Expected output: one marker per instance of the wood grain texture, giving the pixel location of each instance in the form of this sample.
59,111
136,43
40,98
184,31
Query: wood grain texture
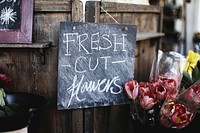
24,66
52,6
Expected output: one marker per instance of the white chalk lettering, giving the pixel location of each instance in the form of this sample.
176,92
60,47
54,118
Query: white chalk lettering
105,37
118,89
75,66
78,65
74,92
82,39
95,40
87,43
104,85
119,43
69,37
95,66
2,1
106,61
120,61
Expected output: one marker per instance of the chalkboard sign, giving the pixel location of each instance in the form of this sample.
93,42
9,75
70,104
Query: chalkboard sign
10,14
16,21
95,60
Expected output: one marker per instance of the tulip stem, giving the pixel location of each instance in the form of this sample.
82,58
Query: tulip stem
135,111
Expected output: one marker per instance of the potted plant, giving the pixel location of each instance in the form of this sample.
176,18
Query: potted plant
18,109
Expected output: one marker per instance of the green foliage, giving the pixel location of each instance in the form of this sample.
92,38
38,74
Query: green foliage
2,96
188,79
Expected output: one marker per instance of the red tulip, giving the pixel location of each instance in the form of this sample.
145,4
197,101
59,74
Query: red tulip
144,87
180,116
4,80
131,89
175,115
161,92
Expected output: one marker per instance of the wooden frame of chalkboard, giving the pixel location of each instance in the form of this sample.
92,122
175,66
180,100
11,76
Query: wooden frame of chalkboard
16,21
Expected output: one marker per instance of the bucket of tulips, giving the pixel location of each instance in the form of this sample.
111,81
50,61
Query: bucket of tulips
170,100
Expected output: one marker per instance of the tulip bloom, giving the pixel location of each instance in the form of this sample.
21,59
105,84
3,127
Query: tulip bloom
193,57
180,116
4,79
147,100
161,92
131,89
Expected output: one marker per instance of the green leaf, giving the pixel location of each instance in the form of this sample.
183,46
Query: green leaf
2,96
195,74
186,80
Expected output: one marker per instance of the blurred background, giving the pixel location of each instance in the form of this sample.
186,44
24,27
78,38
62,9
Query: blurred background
181,25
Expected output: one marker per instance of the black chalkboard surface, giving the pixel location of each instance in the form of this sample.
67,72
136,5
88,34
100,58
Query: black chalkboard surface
10,14
95,60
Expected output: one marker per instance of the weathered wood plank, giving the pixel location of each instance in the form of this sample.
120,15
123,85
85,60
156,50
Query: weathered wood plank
77,115
101,120
52,6
126,8
144,22
77,121
119,118
88,120
47,25
77,11
30,75
33,45
146,51
90,12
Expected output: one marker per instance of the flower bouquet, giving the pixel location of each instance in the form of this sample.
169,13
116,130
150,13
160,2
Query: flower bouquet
171,97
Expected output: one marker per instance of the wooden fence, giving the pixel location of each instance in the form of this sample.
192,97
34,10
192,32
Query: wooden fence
34,67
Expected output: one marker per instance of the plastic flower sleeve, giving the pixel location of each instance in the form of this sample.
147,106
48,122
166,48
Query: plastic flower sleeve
169,65
180,112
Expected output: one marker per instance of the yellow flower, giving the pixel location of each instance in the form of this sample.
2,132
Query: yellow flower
193,57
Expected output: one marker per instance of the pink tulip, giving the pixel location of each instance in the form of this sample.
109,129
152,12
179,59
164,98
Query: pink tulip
131,88
147,101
